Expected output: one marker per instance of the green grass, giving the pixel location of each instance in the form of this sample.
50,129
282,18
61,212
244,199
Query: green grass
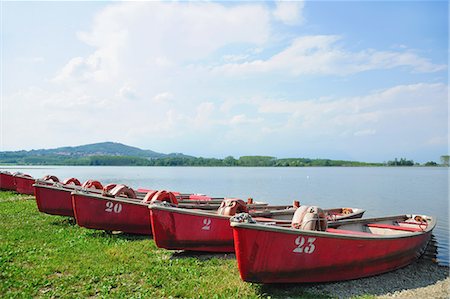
50,256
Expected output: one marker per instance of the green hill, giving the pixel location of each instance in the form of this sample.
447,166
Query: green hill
100,149
104,153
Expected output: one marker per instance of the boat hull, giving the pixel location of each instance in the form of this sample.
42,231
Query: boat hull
53,200
24,185
7,182
111,214
277,256
181,229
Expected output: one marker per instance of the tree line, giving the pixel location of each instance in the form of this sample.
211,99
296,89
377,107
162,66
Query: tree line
244,161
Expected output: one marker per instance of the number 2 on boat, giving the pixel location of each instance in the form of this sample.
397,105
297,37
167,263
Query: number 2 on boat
302,248
206,224
111,207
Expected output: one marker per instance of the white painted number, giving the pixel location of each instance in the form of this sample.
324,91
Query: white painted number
302,248
111,207
206,224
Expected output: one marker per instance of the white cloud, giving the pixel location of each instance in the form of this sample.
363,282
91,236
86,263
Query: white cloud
405,108
366,132
321,54
289,12
163,97
165,34
242,119
82,70
127,91
235,58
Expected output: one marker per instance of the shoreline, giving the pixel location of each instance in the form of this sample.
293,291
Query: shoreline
422,278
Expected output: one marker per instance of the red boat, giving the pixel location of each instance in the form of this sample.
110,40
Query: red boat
312,250
210,230
120,209
54,197
24,183
122,212
7,181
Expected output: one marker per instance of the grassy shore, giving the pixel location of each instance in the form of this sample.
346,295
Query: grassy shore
50,256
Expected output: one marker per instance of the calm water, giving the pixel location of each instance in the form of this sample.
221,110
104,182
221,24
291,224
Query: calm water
379,190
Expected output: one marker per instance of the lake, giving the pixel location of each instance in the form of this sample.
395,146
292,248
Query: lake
379,190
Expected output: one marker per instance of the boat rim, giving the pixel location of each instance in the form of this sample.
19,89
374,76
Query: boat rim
289,230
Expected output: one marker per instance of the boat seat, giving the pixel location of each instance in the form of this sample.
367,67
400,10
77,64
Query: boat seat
412,223
347,232
395,227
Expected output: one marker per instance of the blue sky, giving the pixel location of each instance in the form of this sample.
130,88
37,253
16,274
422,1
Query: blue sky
351,80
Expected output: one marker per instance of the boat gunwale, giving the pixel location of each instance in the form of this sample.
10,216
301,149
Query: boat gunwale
99,196
135,201
60,187
200,212
285,230
192,212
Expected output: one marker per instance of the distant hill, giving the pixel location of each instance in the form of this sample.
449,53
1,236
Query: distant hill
75,153
100,149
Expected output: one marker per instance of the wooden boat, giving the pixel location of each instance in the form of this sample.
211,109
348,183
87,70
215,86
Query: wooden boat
7,181
122,210
318,251
24,183
54,197
210,230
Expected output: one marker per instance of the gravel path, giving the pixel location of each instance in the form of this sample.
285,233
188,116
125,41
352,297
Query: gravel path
422,279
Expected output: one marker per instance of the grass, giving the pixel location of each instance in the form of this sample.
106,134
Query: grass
50,256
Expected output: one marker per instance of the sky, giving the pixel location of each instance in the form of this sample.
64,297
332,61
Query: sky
353,80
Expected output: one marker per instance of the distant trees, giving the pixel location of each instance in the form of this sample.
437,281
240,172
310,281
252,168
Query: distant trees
401,162
244,161
182,160
445,160
256,161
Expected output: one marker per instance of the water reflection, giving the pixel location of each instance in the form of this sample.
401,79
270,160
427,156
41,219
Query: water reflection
436,253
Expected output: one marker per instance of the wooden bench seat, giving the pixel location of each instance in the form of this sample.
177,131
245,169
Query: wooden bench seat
347,232
395,227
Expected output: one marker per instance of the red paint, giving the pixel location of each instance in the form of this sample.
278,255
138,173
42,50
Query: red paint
114,214
267,255
7,181
54,200
190,230
24,184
